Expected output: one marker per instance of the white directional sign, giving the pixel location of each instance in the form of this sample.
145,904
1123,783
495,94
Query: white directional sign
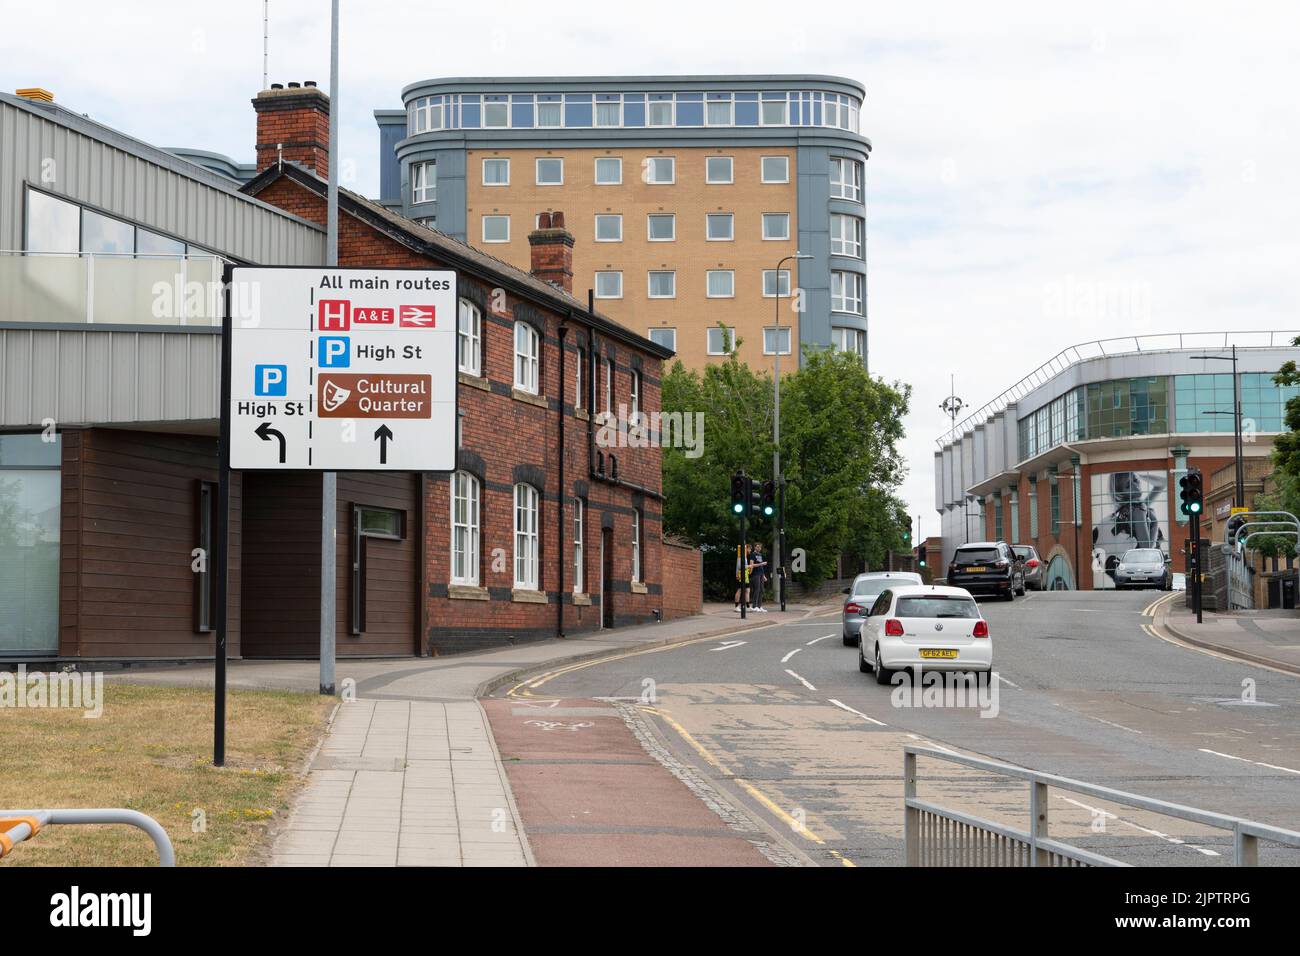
342,369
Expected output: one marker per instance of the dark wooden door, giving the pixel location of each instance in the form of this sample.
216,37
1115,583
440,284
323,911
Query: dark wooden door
607,577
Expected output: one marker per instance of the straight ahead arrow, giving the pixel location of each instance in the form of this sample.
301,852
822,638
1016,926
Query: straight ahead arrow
384,435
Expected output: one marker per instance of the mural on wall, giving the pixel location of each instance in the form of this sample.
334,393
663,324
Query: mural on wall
1130,509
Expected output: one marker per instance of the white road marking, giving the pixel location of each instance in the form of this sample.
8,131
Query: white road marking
816,639
800,679
1110,723
791,654
1005,681
1258,763
870,720
1106,814
728,645
931,743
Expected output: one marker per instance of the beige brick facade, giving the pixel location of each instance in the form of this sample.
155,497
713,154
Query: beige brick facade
690,255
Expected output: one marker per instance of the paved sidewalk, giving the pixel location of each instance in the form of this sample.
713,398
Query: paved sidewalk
1268,637
404,783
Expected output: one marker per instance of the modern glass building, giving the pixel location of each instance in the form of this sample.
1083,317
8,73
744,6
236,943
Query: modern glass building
687,196
1081,457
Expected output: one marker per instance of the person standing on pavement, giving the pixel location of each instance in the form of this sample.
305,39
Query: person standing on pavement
742,577
757,574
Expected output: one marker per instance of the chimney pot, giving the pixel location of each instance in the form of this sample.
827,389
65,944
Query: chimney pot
294,86
551,251
311,83
277,86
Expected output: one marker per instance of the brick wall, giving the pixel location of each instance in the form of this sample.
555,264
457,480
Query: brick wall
294,124
683,579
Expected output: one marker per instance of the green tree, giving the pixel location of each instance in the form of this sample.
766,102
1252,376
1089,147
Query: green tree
839,434
1286,458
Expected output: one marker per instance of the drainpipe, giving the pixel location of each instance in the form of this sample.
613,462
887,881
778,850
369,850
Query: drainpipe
559,520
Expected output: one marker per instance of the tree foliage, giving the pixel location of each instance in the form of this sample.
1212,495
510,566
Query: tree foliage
839,434
1286,458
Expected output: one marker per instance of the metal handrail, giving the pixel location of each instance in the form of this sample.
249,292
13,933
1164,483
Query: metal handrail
21,826
1246,833
1074,354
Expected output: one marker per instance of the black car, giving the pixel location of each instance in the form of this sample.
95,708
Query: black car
987,567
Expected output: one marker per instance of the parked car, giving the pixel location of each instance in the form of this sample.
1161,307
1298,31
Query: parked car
1143,568
1035,569
863,593
987,567
926,626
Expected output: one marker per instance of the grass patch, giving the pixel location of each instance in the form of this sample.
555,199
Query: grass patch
151,750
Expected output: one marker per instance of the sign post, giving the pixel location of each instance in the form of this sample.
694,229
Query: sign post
330,370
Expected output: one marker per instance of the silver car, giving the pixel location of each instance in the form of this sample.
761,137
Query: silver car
1028,555
866,588
1143,568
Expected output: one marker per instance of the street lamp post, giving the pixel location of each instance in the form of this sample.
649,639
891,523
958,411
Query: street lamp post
778,533
1237,450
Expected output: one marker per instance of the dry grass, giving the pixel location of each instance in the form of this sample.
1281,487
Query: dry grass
151,750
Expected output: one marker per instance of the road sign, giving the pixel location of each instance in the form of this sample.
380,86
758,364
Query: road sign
1239,510
342,369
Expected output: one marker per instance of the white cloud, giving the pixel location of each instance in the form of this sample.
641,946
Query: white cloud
1018,147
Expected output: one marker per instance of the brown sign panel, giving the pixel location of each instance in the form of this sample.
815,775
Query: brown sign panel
373,395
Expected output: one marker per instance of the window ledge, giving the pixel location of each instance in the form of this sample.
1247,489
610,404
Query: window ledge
581,413
582,600
639,587
467,592
521,396
474,381
528,597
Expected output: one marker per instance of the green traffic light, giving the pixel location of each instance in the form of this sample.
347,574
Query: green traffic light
737,508
1194,507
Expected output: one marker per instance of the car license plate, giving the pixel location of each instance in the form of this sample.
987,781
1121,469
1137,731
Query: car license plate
977,570
943,653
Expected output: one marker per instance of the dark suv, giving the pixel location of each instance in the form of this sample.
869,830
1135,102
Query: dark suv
987,567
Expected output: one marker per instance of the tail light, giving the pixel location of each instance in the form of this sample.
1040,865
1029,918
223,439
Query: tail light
893,627
852,608
981,629
952,568
1000,564
1032,562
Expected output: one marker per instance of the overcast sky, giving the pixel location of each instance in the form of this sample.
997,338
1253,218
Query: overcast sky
1040,177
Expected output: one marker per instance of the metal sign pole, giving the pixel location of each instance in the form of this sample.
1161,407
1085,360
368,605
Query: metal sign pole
220,559
329,479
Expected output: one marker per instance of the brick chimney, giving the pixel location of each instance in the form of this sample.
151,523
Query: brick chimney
551,247
293,123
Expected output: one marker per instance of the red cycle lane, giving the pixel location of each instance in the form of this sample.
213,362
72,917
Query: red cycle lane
590,795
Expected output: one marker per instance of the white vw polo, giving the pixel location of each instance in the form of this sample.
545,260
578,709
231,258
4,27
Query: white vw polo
925,626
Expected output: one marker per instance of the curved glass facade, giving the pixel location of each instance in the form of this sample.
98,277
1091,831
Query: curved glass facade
1141,406
632,110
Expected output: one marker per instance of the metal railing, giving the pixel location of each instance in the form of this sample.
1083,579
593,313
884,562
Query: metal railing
1104,348
937,836
19,825
83,289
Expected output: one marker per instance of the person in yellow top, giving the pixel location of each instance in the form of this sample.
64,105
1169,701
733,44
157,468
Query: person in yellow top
743,567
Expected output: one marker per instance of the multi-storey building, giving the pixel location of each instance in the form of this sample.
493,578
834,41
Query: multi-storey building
1082,457
689,196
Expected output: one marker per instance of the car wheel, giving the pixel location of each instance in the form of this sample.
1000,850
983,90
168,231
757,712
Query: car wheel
882,675
863,666
848,641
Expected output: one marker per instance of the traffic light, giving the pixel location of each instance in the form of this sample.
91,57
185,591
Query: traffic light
1235,524
907,530
739,493
1191,495
755,498
768,499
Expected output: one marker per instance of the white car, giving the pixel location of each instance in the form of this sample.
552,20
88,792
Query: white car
927,627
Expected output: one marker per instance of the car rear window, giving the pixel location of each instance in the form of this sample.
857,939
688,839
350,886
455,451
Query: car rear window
1023,552
1144,554
873,586
936,607
977,556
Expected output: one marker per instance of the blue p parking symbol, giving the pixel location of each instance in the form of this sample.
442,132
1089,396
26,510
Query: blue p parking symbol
334,351
271,380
